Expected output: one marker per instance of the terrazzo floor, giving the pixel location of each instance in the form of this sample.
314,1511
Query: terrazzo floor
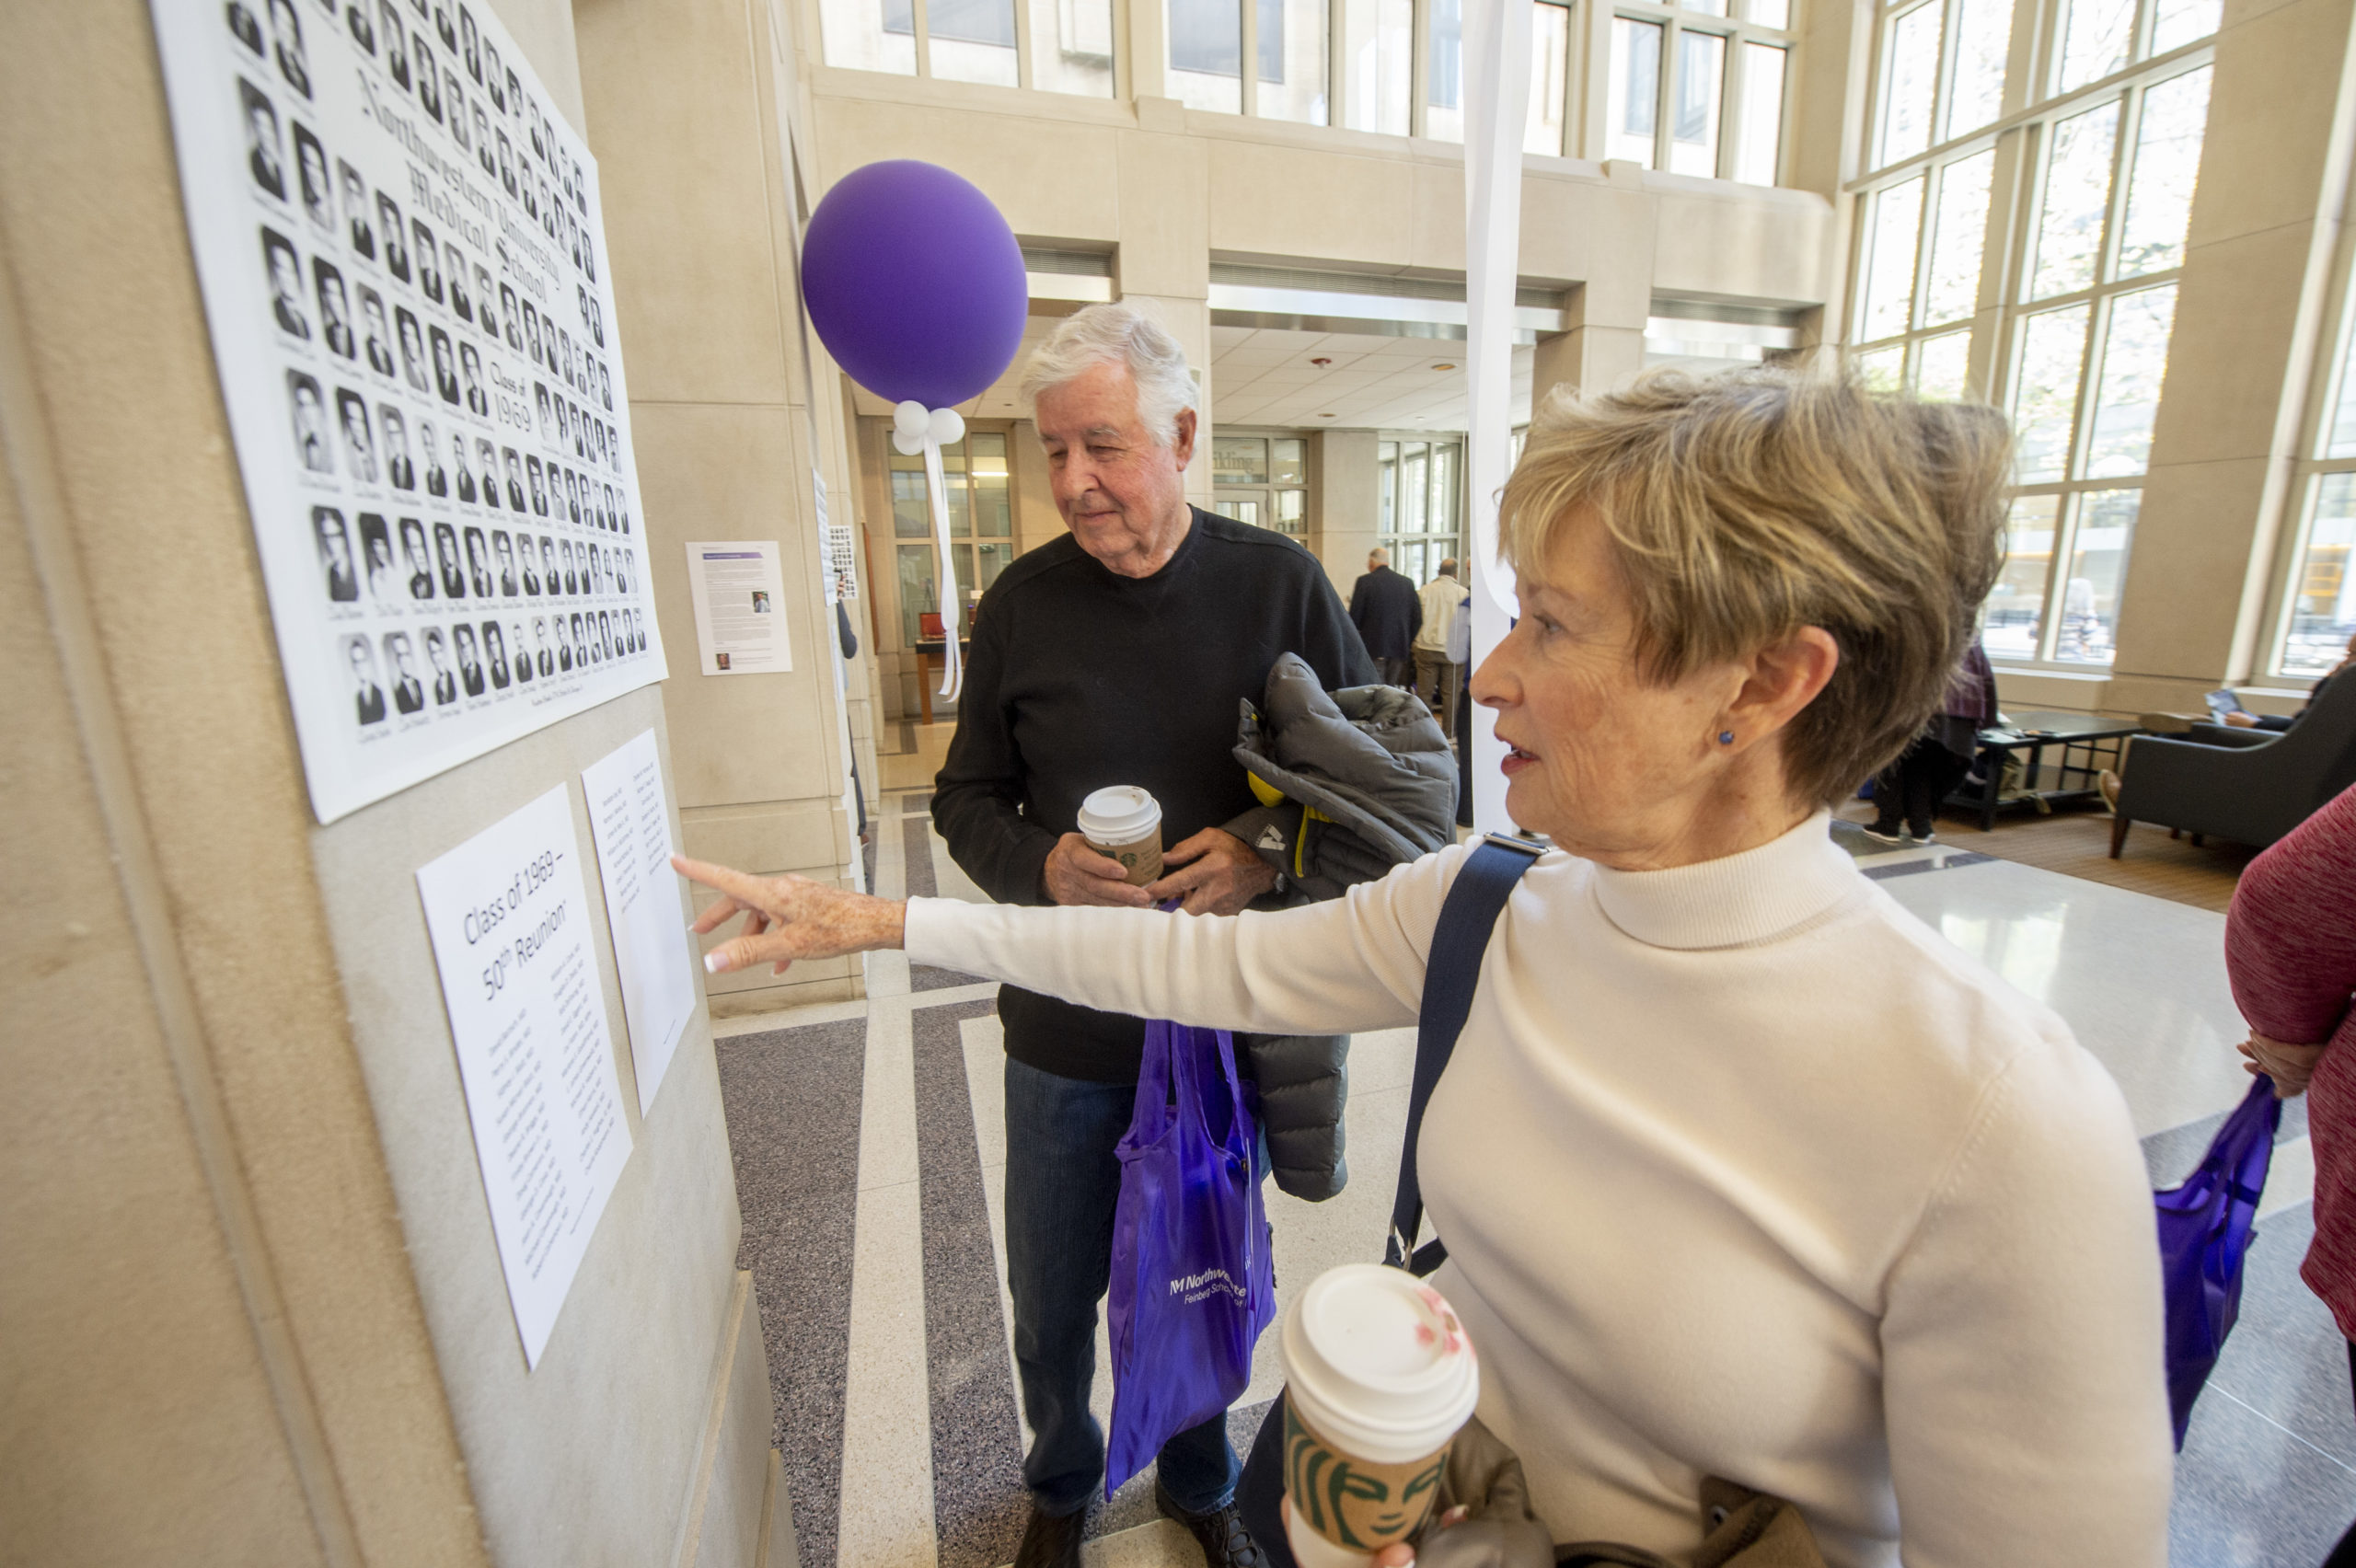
869,1143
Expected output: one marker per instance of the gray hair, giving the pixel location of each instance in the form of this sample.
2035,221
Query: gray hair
1123,335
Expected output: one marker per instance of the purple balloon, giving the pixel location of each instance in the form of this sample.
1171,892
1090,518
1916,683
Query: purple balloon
914,282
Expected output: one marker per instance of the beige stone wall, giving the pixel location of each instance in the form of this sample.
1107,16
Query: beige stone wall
253,1310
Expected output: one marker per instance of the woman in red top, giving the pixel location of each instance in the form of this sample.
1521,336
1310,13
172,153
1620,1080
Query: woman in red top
2291,951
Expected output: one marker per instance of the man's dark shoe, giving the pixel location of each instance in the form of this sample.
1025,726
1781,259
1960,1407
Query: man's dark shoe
1052,1541
1226,1543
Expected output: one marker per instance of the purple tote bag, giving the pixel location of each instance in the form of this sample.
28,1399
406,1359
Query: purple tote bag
2205,1227
1193,1283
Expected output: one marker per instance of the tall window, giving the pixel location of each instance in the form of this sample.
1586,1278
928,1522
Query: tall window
2319,609
1262,480
1699,88
1419,505
2075,345
981,527
1386,47
1061,46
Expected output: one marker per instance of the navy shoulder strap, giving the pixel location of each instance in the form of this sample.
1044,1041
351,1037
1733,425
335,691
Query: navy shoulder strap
1451,974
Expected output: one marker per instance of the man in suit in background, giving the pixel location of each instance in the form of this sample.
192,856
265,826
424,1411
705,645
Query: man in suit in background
1384,608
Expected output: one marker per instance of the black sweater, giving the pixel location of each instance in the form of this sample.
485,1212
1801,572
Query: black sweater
1080,678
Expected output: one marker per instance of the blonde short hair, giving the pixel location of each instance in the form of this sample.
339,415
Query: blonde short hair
1746,506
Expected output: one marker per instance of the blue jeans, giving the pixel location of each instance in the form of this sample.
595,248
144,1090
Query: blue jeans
1062,1182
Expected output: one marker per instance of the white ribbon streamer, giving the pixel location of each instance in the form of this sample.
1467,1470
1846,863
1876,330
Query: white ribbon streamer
1496,94
916,428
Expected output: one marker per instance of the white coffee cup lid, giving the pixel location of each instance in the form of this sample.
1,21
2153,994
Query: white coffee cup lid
1118,814
1377,1361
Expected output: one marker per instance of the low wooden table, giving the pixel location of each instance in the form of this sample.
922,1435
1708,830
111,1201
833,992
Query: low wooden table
2089,745
925,651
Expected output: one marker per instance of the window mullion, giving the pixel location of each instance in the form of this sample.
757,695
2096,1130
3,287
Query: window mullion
1022,75
1665,92
1248,65
924,38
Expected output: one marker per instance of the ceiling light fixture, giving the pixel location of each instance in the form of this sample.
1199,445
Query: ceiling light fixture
1443,367
1321,364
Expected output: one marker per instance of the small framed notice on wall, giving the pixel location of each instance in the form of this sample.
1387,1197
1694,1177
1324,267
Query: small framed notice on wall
739,592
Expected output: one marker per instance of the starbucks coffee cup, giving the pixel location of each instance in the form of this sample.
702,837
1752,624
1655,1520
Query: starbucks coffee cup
1379,1378
1125,822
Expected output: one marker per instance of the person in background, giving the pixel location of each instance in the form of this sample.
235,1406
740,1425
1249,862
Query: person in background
1384,608
1934,764
1439,674
1743,1170
2244,721
1116,655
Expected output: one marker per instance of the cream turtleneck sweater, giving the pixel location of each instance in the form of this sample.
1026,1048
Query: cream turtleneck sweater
1743,1171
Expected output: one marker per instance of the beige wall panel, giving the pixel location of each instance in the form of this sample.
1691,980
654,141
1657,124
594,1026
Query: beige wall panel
766,838
121,356
1049,179
1285,201
712,471
558,1478
1435,211
680,154
545,30
1348,502
2237,12
2182,599
1588,230
729,1533
123,1334
1165,194
2237,318
2277,74
1770,246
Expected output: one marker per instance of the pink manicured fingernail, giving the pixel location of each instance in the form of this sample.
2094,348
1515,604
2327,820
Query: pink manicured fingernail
714,963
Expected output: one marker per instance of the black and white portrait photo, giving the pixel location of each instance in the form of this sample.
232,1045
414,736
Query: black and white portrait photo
244,25
408,692
571,571
514,327
563,646
483,154
389,222
445,550
506,165
415,555
377,557
265,159
454,109
467,494
531,569
503,551
412,338
446,22
606,388
429,86
335,310
542,653
286,46
360,25
592,576
538,485
462,638
446,366
335,555
360,231
311,179
437,654
367,696
374,330
523,652
485,315
307,410
400,466
479,564
487,463
359,447
470,43
429,261
437,478
396,40
461,305
500,92
515,478
494,646
548,566
531,332
470,374
286,270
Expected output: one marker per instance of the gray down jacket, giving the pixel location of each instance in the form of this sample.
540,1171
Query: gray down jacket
1356,783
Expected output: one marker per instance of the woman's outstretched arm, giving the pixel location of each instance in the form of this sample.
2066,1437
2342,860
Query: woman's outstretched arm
1354,963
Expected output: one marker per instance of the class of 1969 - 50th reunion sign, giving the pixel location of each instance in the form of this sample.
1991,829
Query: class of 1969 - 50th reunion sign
403,264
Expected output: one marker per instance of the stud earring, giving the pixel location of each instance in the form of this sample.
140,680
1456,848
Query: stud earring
1726,737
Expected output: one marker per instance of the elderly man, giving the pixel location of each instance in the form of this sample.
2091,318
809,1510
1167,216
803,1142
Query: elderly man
1384,608
1439,674
1116,655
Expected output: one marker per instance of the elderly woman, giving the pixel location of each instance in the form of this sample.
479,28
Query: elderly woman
1742,1171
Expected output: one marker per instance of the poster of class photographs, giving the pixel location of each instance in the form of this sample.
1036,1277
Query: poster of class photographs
404,268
